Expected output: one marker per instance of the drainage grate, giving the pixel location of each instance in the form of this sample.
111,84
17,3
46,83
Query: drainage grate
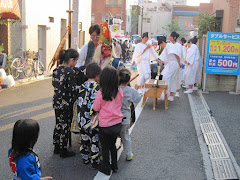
202,113
218,151
197,102
205,119
208,128
199,107
212,138
223,169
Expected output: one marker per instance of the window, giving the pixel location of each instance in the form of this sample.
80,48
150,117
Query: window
148,20
92,19
51,19
114,3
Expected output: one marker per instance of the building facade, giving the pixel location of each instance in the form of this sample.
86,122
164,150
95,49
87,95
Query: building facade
227,11
186,16
42,27
102,10
154,17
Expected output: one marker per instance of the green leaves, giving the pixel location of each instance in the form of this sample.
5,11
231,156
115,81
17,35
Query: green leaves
173,27
206,23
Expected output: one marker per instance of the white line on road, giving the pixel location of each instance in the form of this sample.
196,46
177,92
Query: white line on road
138,110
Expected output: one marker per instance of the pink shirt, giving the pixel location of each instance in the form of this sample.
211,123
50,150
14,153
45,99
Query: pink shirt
109,111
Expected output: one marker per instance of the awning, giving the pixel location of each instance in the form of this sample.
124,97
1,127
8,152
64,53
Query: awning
9,9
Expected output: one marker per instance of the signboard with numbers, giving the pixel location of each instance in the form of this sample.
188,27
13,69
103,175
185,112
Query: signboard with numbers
223,53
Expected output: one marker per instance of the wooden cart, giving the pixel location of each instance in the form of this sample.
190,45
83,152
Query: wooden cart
156,87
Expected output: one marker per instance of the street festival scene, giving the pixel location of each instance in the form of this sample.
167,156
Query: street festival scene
119,89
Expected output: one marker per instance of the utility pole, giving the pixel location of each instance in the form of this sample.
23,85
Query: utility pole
142,22
69,24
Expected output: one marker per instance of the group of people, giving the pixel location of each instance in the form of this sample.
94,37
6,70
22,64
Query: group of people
121,49
99,86
181,62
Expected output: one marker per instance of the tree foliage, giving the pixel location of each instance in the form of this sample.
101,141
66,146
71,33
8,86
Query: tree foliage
134,21
173,27
206,23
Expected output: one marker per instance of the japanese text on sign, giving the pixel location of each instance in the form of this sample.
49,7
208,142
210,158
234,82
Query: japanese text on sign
223,53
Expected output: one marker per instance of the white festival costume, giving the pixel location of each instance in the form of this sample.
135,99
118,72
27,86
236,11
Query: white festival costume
180,71
171,66
143,62
194,58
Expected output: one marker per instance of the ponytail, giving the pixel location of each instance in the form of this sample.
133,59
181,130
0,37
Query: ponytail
65,55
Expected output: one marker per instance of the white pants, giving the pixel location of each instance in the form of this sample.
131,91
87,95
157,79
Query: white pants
126,139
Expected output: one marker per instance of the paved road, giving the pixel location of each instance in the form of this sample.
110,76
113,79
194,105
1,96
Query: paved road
225,109
164,142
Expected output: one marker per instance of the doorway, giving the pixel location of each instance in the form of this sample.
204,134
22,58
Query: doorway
42,43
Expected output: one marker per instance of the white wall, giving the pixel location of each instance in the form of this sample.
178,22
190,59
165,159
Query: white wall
38,13
159,19
85,13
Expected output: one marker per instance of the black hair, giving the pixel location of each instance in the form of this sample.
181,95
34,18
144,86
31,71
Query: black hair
65,55
183,40
124,75
188,41
94,28
145,35
174,35
161,39
92,70
194,40
109,83
25,135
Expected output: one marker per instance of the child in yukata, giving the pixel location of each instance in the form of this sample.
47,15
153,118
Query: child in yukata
89,147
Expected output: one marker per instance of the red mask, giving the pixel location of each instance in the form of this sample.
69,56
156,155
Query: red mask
106,51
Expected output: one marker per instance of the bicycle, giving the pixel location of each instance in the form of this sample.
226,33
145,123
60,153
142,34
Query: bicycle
17,66
38,67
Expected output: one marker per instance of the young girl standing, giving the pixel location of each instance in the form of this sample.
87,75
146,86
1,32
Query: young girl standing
108,103
23,161
64,96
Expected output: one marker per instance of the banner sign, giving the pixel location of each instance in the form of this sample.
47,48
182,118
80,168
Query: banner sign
9,9
223,53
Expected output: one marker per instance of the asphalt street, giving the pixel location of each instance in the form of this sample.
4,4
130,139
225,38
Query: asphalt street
165,144
225,109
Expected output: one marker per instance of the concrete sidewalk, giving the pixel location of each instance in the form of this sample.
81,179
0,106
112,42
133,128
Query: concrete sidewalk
225,108
26,80
32,79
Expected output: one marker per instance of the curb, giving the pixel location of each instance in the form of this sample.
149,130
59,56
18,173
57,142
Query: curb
28,80
32,79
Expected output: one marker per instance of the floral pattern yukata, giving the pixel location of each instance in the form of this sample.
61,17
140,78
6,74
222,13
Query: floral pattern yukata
64,96
89,148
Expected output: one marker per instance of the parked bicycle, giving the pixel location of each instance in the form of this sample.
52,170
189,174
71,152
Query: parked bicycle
38,67
21,64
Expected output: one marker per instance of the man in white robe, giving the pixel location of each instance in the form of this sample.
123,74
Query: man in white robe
142,55
192,61
171,59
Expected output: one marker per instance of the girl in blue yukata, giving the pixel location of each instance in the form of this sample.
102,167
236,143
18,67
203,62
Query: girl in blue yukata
23,161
